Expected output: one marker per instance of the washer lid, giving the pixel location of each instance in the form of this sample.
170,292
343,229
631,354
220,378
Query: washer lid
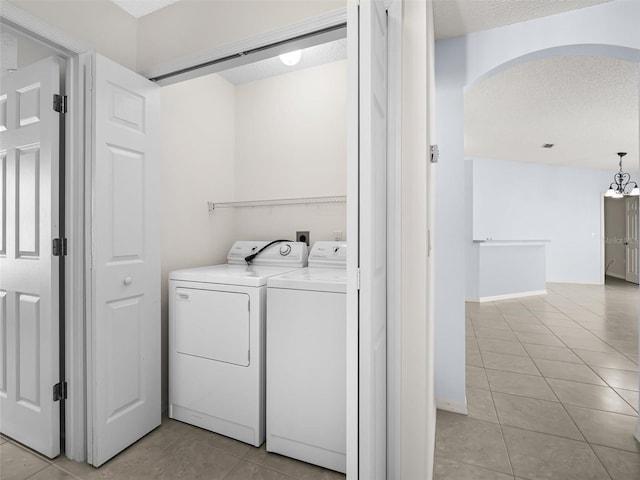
241,275
312,279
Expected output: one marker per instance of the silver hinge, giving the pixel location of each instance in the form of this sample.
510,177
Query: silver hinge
59,247
60,391
60,103
435,154
358,279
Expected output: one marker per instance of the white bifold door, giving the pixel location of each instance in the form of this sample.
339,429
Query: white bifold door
124,331
29,217
372,234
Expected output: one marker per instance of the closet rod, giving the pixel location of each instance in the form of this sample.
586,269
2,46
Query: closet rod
278,202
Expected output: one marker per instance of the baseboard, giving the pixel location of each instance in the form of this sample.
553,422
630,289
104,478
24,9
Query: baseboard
508,296
454,406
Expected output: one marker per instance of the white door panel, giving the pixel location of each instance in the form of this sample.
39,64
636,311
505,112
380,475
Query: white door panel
29,308
631,239
125,327
373,234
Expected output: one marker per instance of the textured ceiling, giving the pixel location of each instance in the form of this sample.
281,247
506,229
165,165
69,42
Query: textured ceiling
311,57
459,17
452,17
586,106
140,8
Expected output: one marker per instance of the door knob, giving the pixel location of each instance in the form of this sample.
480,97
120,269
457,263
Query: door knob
127,280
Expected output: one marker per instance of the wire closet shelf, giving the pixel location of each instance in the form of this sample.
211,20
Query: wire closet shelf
278,202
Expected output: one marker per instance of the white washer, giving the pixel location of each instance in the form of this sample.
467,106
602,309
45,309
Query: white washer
216,339
306,359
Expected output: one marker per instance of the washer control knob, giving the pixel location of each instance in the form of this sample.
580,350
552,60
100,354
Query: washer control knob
285,249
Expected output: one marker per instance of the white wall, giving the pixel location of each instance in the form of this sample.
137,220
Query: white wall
472,249
198,152
507,269
192,26
615,232
100,23
461,61
529,201
18,50
449,231
291,143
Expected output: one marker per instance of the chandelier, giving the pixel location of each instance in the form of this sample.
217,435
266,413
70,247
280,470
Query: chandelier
622,184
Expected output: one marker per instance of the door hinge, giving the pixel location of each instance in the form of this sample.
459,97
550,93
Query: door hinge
59,103
59,247
358,279
60,391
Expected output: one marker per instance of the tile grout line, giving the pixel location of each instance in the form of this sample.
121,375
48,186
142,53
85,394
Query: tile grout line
580,327
558,402
37,472
571,417
567,413
68,472
583,361
477,466
239,465
504,441
596,314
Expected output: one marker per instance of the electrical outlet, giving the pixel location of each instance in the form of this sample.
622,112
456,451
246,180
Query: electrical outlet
337,236
302,237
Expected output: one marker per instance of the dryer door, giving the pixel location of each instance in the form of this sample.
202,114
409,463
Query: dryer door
212,324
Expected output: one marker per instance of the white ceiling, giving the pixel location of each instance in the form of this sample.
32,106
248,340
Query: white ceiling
140,8
459,17
452,17
586,106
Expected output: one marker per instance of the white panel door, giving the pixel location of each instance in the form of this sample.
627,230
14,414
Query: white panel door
372,240
631,240
125,230
29,316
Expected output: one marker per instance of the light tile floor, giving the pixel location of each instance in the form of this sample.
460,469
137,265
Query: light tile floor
173,451
552,389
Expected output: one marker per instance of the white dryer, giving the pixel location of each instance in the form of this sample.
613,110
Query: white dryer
306,359
216,339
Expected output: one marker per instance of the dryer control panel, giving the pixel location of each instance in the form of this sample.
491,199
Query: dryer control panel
292,254
328,255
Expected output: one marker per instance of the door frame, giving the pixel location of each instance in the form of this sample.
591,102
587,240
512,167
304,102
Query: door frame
394,237
75,53
78,200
